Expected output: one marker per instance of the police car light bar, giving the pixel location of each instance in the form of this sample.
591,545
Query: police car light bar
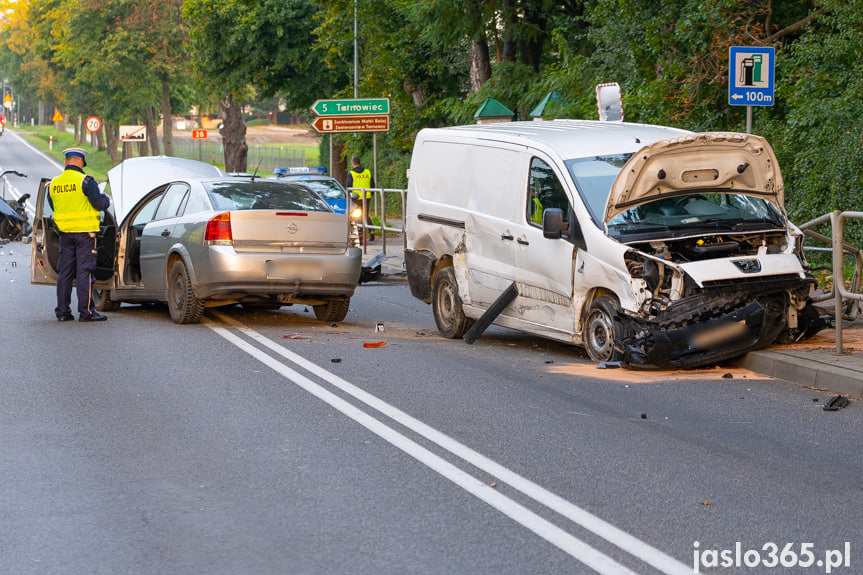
311,170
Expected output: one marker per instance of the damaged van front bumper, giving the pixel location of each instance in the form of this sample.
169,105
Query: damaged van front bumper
711,327
667,345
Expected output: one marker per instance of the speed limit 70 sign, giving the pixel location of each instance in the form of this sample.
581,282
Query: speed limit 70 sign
93,124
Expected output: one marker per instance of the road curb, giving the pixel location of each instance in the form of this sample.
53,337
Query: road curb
809,372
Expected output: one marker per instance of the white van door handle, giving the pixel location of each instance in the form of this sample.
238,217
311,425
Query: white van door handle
523,242
507,236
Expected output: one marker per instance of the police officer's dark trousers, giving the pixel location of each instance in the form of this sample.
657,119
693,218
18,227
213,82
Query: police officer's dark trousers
77,261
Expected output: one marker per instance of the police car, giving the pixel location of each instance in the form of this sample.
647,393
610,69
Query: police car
316,178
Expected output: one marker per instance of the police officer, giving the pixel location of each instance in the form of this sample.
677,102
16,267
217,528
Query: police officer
77,201
360,177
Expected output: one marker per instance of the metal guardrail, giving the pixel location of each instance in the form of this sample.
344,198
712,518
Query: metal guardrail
846,303
379,207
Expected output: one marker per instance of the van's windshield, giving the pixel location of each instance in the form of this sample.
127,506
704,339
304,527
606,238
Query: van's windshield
593,178
686,213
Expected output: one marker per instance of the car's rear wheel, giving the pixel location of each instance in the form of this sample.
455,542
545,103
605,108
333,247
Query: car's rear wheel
102,300
335,310
602,329
449,315
183,304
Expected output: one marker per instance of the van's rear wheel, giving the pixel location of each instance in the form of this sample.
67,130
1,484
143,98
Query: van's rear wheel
601,329
446,305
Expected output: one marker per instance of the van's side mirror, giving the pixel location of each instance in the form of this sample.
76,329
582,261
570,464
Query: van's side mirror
553,224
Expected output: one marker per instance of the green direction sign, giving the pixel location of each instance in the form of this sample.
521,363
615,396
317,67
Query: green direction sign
352,107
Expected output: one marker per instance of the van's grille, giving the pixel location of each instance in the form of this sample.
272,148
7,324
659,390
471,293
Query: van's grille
781,282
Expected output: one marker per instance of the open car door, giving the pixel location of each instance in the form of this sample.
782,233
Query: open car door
45,247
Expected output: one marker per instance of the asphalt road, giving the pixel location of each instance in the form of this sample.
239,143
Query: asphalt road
268,442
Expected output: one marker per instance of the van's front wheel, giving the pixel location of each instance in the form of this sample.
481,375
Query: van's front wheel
601,329
446,305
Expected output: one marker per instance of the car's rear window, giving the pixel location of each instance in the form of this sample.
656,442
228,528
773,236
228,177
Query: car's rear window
264,195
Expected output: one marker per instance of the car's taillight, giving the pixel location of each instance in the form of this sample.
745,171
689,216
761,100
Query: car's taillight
219,230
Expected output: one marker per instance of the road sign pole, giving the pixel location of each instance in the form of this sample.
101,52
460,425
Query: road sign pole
748,119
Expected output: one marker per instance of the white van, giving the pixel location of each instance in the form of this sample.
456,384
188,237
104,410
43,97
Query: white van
644,244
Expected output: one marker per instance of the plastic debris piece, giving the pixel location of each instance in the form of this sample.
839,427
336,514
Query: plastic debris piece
707,502
643,416
334,325
728,376
294,336
549,361
336,360
835,403
608,365
379,327
374,344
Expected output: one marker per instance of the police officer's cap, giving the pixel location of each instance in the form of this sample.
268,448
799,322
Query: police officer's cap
79,152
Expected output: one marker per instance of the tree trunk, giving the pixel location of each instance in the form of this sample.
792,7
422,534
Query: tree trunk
532,44
152,134
100,140
480,65
233,133
340,168
510,21
112,139
167,124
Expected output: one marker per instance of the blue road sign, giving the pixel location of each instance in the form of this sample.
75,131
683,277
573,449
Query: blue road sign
750,81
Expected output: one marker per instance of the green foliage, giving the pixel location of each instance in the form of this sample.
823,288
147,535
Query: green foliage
669,56
819,137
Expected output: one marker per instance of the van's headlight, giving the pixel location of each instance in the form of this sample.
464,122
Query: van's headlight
357,213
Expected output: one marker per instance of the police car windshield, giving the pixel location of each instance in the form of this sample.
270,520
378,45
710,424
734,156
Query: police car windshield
329,189
264,195
593,177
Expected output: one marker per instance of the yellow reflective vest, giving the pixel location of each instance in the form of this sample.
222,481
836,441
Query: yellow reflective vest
362,180
73,211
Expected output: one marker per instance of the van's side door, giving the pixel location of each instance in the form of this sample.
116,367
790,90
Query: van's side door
493,205
544,267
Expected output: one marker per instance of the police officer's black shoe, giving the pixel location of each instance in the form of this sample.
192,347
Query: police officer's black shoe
95,316
66,317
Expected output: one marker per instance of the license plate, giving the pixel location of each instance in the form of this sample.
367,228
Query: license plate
719,334
303,269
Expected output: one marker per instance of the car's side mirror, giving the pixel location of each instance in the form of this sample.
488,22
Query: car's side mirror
553,224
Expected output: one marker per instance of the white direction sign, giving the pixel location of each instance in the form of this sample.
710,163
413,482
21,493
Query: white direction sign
133,133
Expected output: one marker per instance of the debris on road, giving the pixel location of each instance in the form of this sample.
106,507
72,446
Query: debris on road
836,403
294,336
374,344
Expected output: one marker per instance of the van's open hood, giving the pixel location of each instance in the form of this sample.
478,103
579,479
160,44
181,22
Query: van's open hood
703,162
134,178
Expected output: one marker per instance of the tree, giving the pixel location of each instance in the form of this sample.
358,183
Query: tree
818,136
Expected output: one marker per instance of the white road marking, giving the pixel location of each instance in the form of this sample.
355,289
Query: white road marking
578,549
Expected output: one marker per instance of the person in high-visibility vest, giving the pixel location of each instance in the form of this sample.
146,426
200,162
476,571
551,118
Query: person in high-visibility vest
76,200
360,177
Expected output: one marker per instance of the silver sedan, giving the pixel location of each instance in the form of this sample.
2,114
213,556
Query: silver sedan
194,237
